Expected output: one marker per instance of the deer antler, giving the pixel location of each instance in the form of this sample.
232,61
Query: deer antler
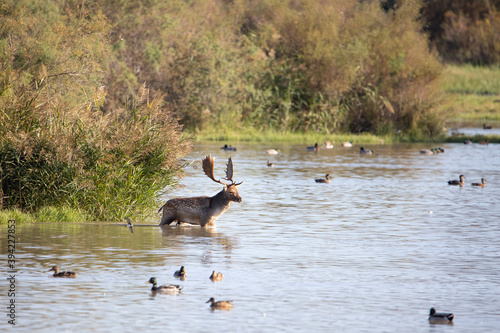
229,170
208,167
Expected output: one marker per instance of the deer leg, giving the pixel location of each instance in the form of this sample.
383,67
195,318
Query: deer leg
167,220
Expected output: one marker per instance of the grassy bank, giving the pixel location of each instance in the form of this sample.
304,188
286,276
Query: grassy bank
252,135
472,94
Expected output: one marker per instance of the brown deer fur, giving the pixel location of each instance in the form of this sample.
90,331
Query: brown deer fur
203,210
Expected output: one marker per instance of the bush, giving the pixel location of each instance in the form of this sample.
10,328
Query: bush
277,65
58,147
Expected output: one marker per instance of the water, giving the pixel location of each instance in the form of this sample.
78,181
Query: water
361,254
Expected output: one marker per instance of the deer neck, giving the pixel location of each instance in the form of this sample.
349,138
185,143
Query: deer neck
220,201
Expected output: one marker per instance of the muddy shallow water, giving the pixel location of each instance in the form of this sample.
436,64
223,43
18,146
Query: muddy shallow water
372,251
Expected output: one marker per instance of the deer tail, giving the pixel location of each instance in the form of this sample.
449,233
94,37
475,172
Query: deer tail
159,210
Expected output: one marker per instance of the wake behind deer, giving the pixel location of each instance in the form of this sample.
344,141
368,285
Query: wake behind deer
203,210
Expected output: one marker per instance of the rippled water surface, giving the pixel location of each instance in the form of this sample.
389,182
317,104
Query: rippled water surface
372,251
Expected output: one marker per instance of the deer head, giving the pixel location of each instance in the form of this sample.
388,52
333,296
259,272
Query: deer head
230,189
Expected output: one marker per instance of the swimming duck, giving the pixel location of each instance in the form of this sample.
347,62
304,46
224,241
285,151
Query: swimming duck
468,142
67,274
272,151
427,151
313,148
484,142
270,164
221,305
328,144
181,273
347,144
129,225
440,318
432,151
364,151
228,148
487,127
216,276
166,288
481,184
324,180
457,182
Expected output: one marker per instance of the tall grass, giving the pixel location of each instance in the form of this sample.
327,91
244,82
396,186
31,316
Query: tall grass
472,94
468,79
59,148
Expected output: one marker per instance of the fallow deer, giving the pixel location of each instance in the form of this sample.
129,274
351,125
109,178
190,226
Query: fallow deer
203,210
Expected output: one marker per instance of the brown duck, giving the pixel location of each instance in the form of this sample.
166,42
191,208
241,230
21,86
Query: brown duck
457,182
220,305
67,274
481,184
324,180
216,276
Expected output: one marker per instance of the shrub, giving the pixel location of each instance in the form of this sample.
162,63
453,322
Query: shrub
58,146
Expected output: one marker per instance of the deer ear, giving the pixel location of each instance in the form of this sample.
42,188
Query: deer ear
238,185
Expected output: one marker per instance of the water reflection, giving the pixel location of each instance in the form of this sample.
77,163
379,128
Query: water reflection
195,234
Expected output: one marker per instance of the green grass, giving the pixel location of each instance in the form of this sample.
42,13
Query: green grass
472,94
45,214
252,135
17,215
468,79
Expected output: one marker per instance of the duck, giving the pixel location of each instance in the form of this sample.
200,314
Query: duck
487,127
130,225
67,274
364,151
440,318
324,180
484,142
457,182
313,148
427,151
181,273
347,144
228,148
432,151
328,144
468,142
270,164
272,151
481,184
166,288
220,305
216,276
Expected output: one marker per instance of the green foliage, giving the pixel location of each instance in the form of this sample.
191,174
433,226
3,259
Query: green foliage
58,147
277,65
17,215
61,214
